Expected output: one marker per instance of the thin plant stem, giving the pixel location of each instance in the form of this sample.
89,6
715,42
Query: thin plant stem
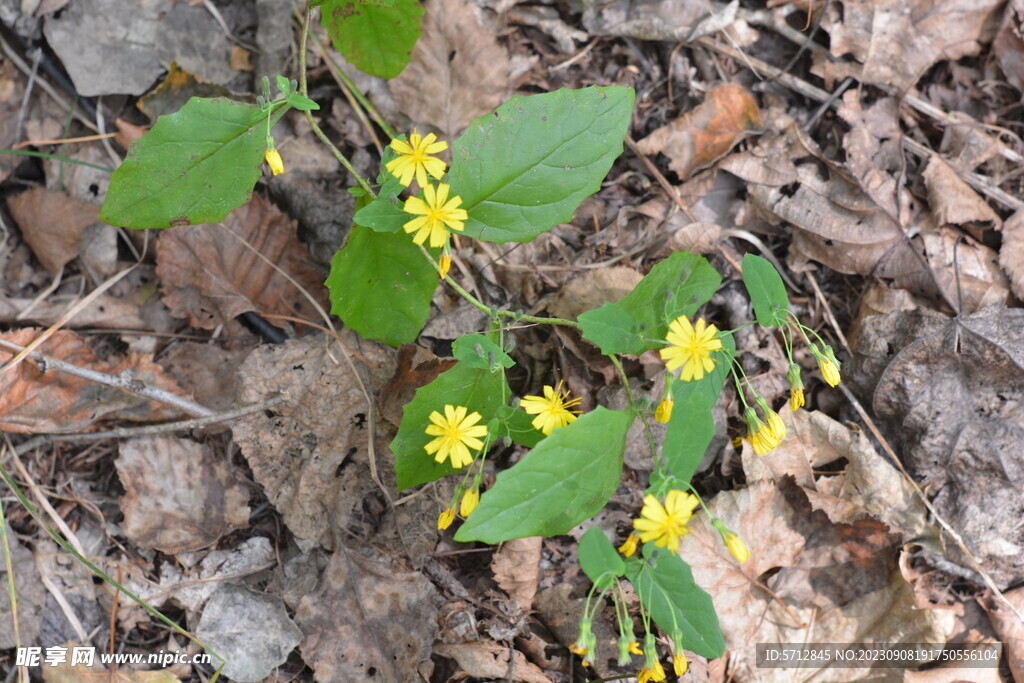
9,566
44,155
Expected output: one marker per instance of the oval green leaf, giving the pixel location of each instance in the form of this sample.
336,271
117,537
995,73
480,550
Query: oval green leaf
599,559
377,36
766,289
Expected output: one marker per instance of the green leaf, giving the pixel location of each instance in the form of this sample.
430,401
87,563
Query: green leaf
526,167
384,214
377,36
381,286
301,102
669,593
477,351
194,166
767,291
478,390
692,426
599,559
567,478
676,286
518,426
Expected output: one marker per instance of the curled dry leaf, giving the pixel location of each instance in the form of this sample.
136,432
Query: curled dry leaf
516,568
953,201
52,223
948,393
457,71
592,289
178,495
210,277
701,136
874,150
368,618
484,660
311,454
33,401
964,269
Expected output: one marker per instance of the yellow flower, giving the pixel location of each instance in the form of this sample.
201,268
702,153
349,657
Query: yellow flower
456,434
796,399
760,436
829,371
576,649
679,663
628,548
414,159
553,409
445,519
435,215
273,158
776,426
469,502
665,524
655,673
691,348
736,546
445,264
663,413
634,648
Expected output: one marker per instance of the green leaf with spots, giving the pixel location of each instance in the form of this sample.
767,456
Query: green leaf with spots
526,167
567,478
477,389
380,285
377,36
194,166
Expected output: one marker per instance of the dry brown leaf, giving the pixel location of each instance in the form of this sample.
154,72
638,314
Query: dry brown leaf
12,92
33,402
485,660
1009,44
592,289
1011,254
239,60
178,495
874,149
175,90
516,568
898,41
953,201
368,618
673,21
29,590
52,223
700,237
104,311
311,454
701,136
457,71
963,268
211,277
102,673
127,133
560,612
1009,629
207,371
416,368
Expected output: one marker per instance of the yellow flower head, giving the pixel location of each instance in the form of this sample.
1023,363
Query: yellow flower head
796,387
736,546
456,433
445,519
634,648
554,409
679,663
690,347
796,399
665,524
469,501
761,438
775,424
435,215
444,264
273,158
414,159
828,364
628,548
654,673
663,413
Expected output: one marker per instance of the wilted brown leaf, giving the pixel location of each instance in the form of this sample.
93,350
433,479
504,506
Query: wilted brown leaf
874,150
701,136
1008,45
311,455
516,567
964,269
485,660
368,618
32,401
457,71
1011,254
178,495
52,223
103,311
1009,628
207,371
175,90
592,289
211,277
416,368
953,201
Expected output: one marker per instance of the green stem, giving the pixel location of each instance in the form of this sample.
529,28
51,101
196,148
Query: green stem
304,91
44,155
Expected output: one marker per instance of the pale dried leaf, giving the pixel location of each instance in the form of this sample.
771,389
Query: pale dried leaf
700,237
952,200
251,630
210,277
700,136
368,618
104,311
593,289
484,660
1009,629
207,371
35,402
310,454
951,254
673,21
31,594
178,495
874,150
516,568
52,223
1011,253
457,71
1008,45
102,673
